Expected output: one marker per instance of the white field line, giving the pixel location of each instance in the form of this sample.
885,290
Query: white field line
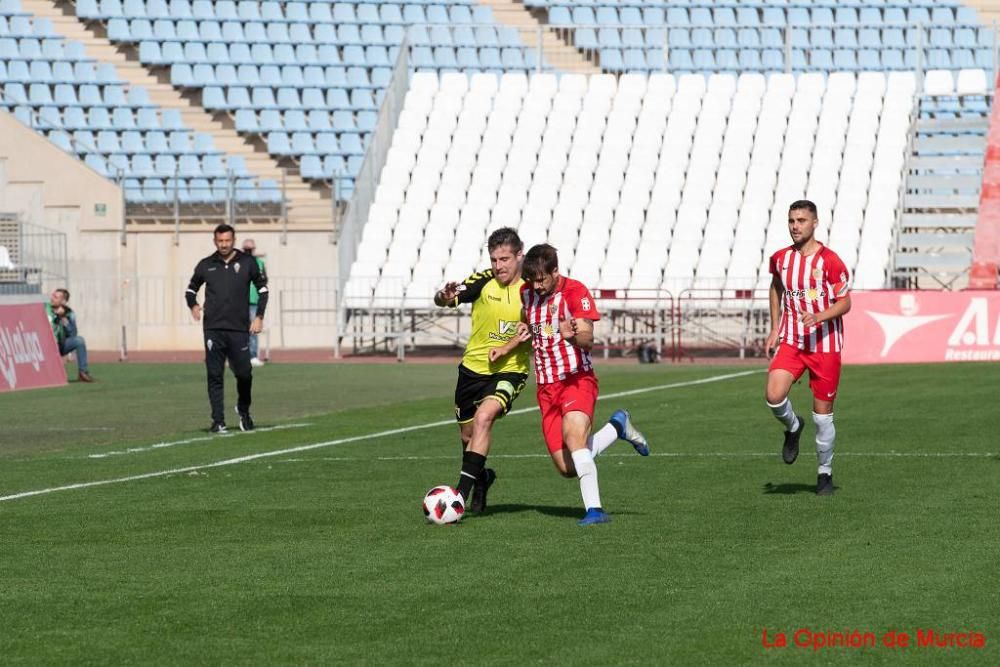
673,455
203,438
342,441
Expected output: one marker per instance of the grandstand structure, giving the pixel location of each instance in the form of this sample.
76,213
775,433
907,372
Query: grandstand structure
656,144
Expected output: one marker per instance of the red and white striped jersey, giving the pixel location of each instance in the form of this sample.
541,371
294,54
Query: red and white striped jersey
555,358
812,284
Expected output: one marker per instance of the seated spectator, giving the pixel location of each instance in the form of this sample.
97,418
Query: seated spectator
63,321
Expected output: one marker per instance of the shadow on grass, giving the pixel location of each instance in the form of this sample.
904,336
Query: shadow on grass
548,510
789,489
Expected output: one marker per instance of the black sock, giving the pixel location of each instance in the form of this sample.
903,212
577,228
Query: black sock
472,468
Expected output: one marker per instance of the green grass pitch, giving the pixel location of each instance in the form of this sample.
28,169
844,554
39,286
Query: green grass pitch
320,555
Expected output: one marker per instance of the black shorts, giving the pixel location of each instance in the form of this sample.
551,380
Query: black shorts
473,388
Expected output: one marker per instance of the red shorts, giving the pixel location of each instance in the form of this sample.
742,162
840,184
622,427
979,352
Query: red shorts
577,393
824,369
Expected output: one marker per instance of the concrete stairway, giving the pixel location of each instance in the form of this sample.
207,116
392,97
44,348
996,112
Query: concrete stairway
308,206
557,53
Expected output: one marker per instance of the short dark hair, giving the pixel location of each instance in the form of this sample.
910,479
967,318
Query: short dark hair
64,291
505,236
804,204
541,259
224,229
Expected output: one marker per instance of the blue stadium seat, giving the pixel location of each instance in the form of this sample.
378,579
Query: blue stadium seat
62,140
942,15
939,59
678,16
634,60
98,118
467,58
165,165
821,59
334,164
632,38
246,121
750,60
584,16
940,37
703,59
181,75
892,59
302,144
748,37
336,98
75,118
489,58
311,167
725,37
436,14
726,60
701,17
560,16
326,143
680,60
460,15
513,59
677,38
701,38
64,95
350,144
188,166
609,38
653,16
724,17
845,59
278,144
390,14
318,120
122,118
963,59
288,98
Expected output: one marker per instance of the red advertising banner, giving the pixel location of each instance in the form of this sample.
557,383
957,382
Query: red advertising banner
29,357
892,326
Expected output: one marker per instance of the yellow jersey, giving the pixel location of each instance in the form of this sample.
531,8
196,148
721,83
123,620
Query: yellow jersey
496,310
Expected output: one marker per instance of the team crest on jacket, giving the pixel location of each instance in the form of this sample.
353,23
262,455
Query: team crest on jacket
236,267
552,309
817,273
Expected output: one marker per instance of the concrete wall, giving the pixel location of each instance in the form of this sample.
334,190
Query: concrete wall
135,291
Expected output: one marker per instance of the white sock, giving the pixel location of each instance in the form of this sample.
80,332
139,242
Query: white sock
586,470
825,435
603,439
784,413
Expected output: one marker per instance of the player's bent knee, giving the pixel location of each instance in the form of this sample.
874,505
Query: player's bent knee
563,463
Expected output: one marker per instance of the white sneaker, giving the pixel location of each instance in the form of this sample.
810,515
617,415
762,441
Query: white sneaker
254,361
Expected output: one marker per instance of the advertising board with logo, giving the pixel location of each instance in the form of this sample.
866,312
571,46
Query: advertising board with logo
914,326
29,357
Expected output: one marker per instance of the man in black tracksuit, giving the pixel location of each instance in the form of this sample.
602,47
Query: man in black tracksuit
227,274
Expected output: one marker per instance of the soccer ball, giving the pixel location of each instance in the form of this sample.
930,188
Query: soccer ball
443,504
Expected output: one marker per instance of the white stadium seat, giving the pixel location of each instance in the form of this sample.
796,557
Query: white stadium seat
645,182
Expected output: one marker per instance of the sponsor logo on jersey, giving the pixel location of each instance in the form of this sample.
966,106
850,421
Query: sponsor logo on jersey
812,294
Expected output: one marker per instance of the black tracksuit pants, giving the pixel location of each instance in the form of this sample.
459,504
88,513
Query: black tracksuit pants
220,345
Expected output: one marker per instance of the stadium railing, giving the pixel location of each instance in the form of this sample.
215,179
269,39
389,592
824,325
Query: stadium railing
35,256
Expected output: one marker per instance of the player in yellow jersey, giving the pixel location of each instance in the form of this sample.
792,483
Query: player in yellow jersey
494,367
